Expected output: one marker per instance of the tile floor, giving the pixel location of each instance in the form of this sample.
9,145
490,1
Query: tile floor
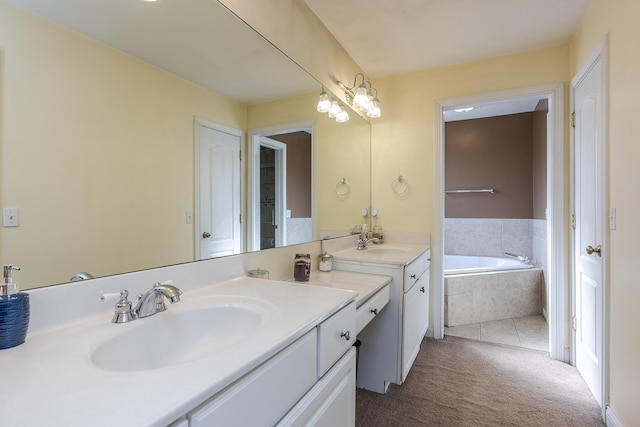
529,332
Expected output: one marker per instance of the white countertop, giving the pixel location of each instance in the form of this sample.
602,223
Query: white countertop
50,380
386,253
365,284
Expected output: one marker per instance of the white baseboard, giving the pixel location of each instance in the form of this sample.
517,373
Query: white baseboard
612,420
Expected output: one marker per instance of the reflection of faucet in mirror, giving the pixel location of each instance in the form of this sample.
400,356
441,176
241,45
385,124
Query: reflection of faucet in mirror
80,276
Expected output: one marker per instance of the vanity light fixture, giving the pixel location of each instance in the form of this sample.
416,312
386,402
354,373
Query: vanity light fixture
365,96
332,106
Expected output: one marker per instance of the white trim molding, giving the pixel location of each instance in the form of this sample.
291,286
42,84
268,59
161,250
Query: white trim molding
611,420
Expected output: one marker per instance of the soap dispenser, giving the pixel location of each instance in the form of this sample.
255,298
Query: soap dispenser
14,311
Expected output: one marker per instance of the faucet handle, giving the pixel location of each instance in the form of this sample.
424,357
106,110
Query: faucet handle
124,313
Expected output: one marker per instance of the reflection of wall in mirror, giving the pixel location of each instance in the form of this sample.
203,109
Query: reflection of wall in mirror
343,151
86,131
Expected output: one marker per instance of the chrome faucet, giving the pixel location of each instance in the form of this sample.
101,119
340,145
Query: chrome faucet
149,303
522,258
152,301
362,243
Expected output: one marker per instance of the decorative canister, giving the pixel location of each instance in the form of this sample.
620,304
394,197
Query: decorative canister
326,262
302,267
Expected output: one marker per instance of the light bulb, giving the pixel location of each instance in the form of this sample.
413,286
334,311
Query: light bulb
324,102
342,116
360,99
334,109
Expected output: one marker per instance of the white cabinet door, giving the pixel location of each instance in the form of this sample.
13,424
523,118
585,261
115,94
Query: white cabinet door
415,318
332,401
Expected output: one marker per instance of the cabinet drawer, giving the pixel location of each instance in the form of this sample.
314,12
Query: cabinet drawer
413,271
371,308
292,371
335,336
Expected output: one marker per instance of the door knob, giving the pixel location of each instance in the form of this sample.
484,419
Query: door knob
591,250
206,235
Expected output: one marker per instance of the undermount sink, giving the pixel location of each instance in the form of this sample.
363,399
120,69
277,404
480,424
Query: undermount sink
174,337
385,251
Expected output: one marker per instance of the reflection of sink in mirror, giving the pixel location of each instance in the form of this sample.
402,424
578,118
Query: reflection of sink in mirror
172,338
387,251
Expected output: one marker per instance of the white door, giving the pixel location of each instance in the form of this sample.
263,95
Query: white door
218,190
589,235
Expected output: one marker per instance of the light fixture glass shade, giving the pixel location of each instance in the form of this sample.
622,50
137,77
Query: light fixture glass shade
334,109
342,116
374,109
324,102
360,99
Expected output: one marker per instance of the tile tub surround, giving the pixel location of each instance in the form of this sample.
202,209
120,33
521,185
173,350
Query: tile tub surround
482,297
492,237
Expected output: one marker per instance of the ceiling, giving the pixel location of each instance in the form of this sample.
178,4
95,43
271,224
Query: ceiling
198,40
395,37
392,37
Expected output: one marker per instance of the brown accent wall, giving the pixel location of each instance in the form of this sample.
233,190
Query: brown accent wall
540,159
298,172
494,152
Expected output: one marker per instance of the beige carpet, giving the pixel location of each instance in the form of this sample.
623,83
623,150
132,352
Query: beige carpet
461,382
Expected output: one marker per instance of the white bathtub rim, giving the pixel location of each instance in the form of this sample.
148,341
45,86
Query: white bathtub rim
510,265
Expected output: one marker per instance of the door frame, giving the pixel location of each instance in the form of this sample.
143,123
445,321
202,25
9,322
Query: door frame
557,219
199,122
253,165
280,189
601,54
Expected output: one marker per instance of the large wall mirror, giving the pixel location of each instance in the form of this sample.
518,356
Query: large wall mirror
102,108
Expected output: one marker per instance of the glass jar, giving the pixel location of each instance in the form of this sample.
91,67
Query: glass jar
376,232
357,229
326,262
302,267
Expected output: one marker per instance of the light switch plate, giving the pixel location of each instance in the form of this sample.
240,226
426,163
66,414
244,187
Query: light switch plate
612,218
9,217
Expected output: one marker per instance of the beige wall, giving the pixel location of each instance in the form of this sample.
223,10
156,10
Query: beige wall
492,152
88,135
403,139
620,19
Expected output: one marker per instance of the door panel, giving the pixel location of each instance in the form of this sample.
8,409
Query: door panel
588,205
219,193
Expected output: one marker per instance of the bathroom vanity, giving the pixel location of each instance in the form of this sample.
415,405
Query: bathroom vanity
233,351
391,342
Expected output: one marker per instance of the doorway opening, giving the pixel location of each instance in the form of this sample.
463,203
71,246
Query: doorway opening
495,224
281,186
453,195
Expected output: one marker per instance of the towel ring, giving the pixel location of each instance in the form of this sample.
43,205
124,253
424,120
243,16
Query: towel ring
343,187
400,186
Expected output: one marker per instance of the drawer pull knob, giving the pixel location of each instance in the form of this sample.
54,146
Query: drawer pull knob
374,311
422,289
413,276
346,335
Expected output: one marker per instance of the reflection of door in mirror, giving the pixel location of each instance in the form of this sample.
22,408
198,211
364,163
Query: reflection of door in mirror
218,191
284,190
273,158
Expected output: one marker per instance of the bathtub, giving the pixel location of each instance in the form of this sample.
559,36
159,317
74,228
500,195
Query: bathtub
465,264
483,289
